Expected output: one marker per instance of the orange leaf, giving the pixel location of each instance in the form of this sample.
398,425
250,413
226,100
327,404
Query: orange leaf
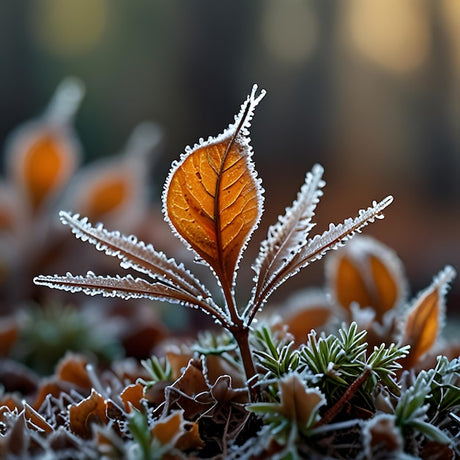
213,198
190,439
114,188
107,194
306,310
88,411
424,319
43,154
72,368
368,273
169,429
35,420
9,333
132,395
301,322
349,285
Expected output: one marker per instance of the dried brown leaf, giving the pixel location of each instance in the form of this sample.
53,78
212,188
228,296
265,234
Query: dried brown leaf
88,411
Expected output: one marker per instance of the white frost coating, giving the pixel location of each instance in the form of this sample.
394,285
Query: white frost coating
440,283
290,234
65,101
315,248
336,235
242,123
126,287
444,277
134,254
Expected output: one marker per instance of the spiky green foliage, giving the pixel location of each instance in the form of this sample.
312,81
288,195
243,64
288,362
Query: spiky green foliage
428,406
275,355
159,370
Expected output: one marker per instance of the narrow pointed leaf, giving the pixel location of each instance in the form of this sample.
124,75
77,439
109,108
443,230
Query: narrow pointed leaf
290,234
135,254
315,248
425,318
126,287
213,199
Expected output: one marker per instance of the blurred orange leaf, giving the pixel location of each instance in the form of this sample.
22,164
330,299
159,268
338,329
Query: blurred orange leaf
302,321
423,322
72,368
9,333
35,420
367,273
107,194
132,395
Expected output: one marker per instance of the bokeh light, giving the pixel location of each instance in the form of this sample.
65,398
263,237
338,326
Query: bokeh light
68,28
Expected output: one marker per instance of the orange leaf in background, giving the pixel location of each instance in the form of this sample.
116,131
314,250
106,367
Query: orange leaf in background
45,167
107,196
301,322
43,154
88,411
72,368
386,285
132,395
349,285
368,273
116,186
53,388
424,320
213,199
9,333
306,310
35,420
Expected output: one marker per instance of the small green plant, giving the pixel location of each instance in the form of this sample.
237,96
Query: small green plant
213,202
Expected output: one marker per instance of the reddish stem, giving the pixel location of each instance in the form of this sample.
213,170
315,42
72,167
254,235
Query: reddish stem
331,413
241,334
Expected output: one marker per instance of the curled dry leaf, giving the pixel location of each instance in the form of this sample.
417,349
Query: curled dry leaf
35,420
132,395
72,368
381,436
88,411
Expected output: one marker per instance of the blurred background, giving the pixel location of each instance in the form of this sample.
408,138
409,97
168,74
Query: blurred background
369,89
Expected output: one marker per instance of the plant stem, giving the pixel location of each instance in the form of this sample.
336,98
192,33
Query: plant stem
241,334
331,413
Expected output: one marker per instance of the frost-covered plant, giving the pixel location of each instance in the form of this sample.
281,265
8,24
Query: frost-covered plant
213,202
42,173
